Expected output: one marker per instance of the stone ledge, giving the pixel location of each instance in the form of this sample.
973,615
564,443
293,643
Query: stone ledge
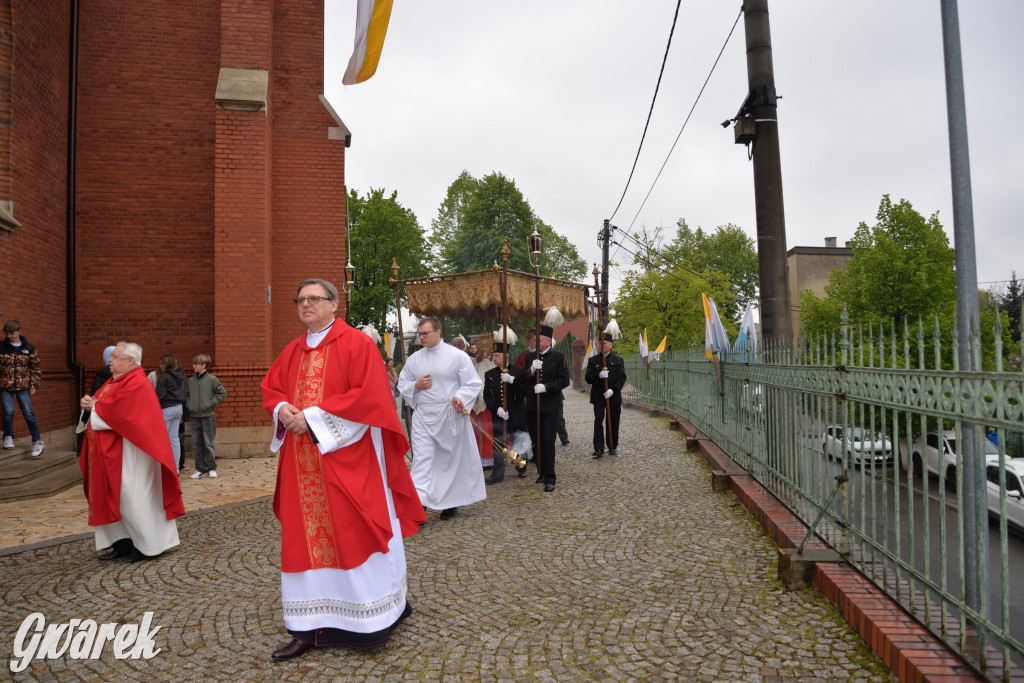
242,89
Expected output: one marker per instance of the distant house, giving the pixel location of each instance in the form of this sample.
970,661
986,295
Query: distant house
810,268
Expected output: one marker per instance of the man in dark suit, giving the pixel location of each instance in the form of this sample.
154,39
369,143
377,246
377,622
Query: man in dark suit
606,374
505,396
545,378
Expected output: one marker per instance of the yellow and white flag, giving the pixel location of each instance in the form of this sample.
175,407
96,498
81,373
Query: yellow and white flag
372,18
656,353
716,341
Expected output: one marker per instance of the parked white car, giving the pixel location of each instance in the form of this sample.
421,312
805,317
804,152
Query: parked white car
862,445
1014,491
926,451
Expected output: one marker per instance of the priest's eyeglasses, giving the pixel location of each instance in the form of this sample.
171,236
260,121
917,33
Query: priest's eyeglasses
425,333
313,300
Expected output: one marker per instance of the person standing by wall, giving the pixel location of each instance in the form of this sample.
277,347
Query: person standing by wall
170,391
20,377
205,393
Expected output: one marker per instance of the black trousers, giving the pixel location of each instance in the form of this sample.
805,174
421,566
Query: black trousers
601,431
560,429
546,457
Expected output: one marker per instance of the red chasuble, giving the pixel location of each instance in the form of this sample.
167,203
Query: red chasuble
129,405
331,506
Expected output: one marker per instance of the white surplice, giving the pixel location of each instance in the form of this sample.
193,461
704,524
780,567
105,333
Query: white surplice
446,465
143,518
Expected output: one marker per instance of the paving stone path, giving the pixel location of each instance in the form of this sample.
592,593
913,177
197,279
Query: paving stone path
633,569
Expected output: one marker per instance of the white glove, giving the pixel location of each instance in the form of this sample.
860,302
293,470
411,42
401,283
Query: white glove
608,394
537,365
507,378
603,374
539,389
502,413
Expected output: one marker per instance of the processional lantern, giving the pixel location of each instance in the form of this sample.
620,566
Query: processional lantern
350,274
536,246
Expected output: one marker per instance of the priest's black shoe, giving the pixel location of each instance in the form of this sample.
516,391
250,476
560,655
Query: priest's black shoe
548,488
611,451
565,443
136,556
121,548
491,480
540,479
522,473
291,650
449,513
597,454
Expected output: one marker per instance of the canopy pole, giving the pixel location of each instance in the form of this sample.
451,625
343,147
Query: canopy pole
401,339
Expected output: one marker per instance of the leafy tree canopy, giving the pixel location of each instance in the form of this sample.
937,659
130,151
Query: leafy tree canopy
382,230
479,215
729,251
663,291
902,268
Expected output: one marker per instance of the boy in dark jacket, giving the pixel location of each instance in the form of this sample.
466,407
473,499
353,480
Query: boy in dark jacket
20,376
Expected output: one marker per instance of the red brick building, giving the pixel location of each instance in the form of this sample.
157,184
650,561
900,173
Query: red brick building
168,173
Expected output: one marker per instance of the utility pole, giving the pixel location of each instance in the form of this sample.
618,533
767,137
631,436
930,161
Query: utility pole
968,333
757,125
605,244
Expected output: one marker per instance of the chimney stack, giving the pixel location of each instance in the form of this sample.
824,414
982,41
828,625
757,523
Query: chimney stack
830,242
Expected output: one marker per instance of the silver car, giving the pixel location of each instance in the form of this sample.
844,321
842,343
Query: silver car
862,446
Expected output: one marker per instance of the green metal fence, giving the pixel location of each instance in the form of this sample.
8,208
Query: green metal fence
877,407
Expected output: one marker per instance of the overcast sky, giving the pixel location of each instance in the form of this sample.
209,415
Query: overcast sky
555,94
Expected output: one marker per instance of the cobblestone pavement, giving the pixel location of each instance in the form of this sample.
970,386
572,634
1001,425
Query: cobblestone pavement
633,569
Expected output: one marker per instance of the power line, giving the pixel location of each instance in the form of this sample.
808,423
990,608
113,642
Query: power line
651,111
661,256
672,149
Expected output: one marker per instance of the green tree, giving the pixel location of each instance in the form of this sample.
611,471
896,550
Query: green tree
495,211
668,303
382,230
727,250
902,268
662,292
449,217
1010,301
479,215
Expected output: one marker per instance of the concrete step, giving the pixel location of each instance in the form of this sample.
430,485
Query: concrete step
61,472
24,467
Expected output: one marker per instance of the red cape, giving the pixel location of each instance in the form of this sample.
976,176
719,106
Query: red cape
330,506
129,405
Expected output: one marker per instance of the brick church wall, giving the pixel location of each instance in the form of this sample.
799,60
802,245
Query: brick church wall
33,178
185,212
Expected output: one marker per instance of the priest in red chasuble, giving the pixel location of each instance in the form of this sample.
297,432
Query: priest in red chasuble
129,473
344,496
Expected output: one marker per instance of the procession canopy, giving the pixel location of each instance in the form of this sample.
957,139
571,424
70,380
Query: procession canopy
477,295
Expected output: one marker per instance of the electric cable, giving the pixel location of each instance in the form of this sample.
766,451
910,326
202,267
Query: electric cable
651,111
672,149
